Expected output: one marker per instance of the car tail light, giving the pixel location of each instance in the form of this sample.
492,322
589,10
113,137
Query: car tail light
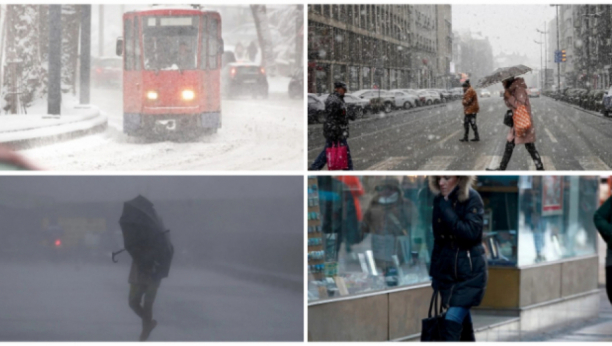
58,242
233,71
263,70
98,70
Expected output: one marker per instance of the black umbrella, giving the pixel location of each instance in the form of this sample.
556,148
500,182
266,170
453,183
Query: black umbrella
501,74
145,238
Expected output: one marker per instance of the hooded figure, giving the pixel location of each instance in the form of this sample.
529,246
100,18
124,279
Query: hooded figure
389,221
458,262
515,95
470,110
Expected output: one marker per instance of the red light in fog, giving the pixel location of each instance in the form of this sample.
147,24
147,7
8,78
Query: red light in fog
98,70
58,242
263,70
233,72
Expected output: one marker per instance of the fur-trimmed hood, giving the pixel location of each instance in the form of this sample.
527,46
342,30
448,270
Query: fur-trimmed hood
464,184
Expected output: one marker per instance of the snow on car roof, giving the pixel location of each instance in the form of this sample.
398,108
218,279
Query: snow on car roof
172,7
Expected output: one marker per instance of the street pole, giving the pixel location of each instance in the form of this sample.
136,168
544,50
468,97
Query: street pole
101,30
541,83
54,94
85,54
558,63
545,54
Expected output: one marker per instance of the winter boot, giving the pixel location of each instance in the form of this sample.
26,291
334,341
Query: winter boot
147,328
467,334
451,331
537,159
475,128
505,159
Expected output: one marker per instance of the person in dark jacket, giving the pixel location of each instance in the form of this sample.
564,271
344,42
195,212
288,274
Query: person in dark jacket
603,223
458,263
336,126
470,110
338,214
143,284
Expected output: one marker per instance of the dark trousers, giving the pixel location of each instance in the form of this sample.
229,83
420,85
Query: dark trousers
537,160
470,120
137,292
321,160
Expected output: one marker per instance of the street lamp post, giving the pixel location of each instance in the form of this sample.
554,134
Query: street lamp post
558,63
545,53
541,82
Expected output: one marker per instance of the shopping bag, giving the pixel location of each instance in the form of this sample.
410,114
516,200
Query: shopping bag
337,157
522,121
432,326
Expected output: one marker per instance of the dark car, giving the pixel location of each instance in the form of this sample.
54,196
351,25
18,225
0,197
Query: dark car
239,78
296,85
606,108
316,109
107,71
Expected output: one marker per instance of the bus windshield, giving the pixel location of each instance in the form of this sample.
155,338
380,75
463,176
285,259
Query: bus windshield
170,42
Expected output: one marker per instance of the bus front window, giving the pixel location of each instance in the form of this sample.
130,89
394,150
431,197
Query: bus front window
170,42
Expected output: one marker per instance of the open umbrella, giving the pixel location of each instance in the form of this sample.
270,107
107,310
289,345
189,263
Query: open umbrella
145,237
501,74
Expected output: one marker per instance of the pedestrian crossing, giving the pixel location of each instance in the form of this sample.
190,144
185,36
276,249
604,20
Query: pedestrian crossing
442,163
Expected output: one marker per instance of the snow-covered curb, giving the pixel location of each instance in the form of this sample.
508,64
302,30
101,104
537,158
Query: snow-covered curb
34,137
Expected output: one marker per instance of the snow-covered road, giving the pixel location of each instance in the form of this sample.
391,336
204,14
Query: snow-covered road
256,135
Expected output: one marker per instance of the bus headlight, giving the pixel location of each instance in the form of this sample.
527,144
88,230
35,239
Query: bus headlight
188,95
152,95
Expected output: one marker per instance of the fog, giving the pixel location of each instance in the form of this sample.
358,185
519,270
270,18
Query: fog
236,274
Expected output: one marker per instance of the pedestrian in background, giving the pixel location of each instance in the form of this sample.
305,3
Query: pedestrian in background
458,263
470,110
603,223
515,97
336,126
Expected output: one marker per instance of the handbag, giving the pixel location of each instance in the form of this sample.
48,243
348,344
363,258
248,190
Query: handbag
432,326
508,118
337,157
522,121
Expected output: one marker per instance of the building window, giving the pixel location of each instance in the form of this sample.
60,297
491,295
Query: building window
366,76
354,78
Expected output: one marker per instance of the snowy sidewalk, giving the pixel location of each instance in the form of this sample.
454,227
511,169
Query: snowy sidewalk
21,131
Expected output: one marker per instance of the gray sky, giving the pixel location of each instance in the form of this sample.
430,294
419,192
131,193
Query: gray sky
510,28
111,188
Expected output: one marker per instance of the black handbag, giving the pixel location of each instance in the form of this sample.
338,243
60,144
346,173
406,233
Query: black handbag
432,326
508,118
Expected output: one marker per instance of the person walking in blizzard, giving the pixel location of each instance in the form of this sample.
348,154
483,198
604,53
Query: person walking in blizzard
515,97
336,126
458,263
143,284
470,109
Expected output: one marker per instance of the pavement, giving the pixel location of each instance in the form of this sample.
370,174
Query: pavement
597,329
23,131
568,138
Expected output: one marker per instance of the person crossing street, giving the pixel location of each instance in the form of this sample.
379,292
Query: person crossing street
470,109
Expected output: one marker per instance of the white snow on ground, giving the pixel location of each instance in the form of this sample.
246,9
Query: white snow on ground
256,135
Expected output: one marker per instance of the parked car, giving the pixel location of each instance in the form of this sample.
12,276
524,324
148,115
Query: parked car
354,105
435,96
380,100
107,71
296,85
485,93
606,108
414,93
316,109
533,92
596,101
240,78
403,99
425,97
457,93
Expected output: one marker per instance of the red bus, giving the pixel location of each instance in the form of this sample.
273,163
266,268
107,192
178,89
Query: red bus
171,70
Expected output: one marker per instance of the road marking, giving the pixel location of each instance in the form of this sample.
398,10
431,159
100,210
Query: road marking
552,138
487,161
387,164
437,163
592,163
546,161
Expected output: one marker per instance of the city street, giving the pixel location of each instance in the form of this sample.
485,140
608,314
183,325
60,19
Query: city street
75,302
568,138
256,135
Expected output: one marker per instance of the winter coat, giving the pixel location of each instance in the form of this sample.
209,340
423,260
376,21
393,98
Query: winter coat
458,262
603,223
336,126
357,191
518,96
140,276
390,226
338,213
470,102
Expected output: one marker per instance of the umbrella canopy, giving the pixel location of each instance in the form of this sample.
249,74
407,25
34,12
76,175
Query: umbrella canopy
501,74
145,237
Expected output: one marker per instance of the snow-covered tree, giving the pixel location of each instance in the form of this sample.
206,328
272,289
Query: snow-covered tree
264,35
